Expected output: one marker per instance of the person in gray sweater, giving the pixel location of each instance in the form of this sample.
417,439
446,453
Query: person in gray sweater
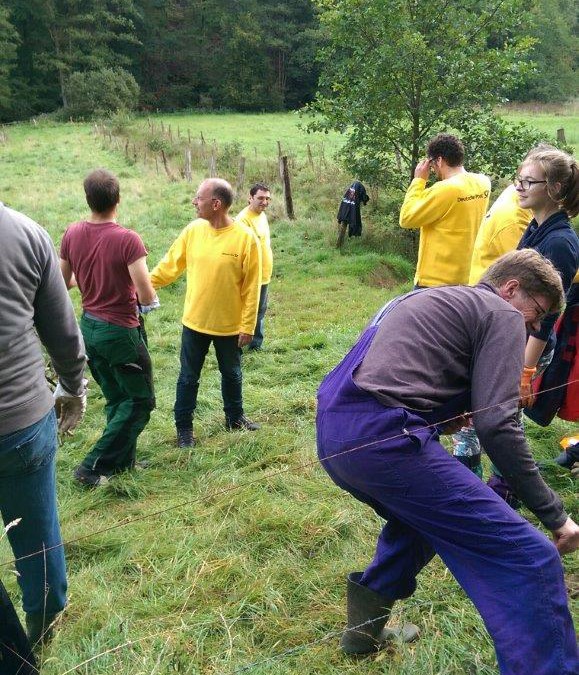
35,311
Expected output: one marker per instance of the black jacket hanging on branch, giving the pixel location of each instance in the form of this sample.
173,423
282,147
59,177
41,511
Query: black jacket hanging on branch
349,211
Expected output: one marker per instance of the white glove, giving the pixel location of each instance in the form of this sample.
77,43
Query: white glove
145,309
69,409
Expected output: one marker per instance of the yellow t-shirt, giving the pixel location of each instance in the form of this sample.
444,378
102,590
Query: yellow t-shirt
500,232
258,223
448,214
223,277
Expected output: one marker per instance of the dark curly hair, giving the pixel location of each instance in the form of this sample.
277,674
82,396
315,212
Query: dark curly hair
447,146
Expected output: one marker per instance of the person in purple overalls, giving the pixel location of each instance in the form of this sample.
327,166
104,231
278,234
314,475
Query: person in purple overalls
426,360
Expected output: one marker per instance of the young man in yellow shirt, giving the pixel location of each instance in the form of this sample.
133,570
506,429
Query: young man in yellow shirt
448,213
500,232
253,215
222,261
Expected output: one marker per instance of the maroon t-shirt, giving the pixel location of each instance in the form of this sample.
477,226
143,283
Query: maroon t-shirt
99,255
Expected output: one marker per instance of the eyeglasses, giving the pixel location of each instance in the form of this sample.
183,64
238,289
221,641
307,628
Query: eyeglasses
524,183
541,311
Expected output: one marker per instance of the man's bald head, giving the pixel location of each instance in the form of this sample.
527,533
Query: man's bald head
220,189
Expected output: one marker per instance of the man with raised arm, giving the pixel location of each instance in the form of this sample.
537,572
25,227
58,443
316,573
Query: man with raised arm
36,311
448,213
109,263
222,261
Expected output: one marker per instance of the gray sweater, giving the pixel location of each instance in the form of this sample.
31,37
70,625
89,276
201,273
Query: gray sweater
442,342
35,309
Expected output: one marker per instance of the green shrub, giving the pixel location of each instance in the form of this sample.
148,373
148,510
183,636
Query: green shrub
98,93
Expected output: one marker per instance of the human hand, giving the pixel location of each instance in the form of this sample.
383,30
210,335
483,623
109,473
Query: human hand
69,409
422,169
244,339
566,537
527,398
455,425
145,309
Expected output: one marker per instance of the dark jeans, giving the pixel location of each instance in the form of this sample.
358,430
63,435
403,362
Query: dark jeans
28,492
120,364
194,348
261,310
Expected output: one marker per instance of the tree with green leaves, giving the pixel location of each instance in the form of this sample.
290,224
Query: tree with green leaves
555,54
396,72
8,46
60,37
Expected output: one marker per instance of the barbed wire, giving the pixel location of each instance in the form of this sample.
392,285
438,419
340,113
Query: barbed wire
235,488
225,491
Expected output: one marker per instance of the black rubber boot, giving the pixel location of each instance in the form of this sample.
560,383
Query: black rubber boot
368,613
16,654
39,628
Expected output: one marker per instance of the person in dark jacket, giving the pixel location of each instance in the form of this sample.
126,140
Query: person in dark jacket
349,212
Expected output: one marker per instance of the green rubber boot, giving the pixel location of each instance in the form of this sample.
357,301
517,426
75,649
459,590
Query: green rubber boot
368,614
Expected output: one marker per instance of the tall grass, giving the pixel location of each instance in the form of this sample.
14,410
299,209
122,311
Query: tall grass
241,568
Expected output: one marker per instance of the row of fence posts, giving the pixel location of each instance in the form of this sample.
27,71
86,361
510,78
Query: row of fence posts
131,153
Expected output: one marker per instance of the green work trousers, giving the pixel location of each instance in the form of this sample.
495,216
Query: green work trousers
120,364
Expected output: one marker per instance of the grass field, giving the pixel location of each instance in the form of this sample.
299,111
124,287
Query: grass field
230,558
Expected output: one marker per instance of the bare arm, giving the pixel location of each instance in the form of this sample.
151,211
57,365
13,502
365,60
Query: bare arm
67,274
140,277
533,351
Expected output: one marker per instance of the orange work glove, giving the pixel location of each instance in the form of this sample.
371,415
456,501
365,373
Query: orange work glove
525,390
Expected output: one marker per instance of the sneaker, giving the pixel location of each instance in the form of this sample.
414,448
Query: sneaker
89,478
241,423
185,438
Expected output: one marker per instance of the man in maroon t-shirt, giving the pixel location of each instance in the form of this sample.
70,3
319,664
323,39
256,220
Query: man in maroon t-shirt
109,264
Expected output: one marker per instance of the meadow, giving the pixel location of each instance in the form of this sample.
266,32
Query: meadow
230,558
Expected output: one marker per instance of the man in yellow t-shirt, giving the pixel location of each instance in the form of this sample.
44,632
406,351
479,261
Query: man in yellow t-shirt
500,232
448,213
253,215
222,261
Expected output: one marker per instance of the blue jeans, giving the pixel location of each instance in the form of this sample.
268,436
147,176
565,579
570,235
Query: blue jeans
194,348
261,310
28,491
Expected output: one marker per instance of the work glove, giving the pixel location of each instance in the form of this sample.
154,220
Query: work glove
145,309
527,398
69,409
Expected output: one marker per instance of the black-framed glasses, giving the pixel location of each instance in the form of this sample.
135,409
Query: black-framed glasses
524,183
541,311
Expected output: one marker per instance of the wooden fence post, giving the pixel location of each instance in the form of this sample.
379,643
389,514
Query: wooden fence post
213,162
310,157
561,136
188,176
166,165
240,175
287,190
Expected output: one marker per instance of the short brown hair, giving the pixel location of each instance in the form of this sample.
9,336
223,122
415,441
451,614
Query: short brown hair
102,190
535,274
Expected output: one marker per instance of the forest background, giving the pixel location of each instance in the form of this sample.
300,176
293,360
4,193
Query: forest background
231,558
246,55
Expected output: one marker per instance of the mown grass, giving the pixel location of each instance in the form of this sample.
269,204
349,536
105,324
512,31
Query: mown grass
241,567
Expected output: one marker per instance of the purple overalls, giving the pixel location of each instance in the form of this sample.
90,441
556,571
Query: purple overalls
386,458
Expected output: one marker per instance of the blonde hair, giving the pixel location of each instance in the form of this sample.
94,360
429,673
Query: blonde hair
536,275
559,167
